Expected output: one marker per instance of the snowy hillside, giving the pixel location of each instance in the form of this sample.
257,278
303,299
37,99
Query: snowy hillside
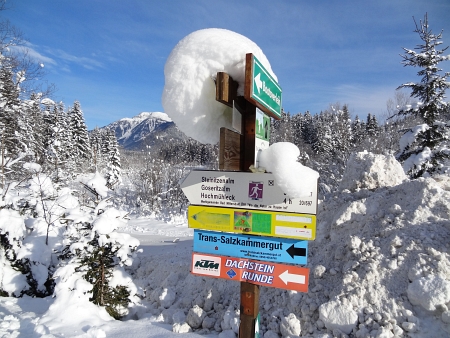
379,268
144,129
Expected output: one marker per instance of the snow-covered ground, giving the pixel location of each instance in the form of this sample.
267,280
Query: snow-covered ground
379,267
160,242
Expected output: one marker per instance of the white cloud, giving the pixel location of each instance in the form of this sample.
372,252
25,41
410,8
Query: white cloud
85,62
59,57
31,51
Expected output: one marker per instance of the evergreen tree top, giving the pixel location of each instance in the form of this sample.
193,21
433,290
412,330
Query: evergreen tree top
430,91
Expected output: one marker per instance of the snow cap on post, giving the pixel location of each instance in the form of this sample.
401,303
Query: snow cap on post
190,71
293,178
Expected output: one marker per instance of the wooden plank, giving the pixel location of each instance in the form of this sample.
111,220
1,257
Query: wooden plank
248,78
226,89
230,150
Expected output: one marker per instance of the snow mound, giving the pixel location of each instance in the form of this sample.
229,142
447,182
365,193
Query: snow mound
379,267
195,317
386,254
336,315
70,302
290,326
189,91
12,223
294,179
98,183
430,292
370,171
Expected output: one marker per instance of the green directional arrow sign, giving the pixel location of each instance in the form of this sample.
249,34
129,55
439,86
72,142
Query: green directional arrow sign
261,88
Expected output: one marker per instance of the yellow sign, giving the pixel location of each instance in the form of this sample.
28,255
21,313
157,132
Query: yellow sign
253,222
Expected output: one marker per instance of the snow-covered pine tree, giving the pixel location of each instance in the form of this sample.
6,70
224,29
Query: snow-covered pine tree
17,74
372,133
342,134
67,148
27,259
52,143
12,233
424,148
97,253
296,123
95,140
58,146
47,133
372,126
34,125
359,133
12,146
323,145
308,129
79,135
283,131
111,150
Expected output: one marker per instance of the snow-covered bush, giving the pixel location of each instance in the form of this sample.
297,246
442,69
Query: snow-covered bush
31,221
12,232
97,253
46,235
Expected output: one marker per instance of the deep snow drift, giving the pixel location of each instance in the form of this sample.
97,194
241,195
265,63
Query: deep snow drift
379,267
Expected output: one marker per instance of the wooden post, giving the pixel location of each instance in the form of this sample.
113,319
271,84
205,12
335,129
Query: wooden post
230,150
249,309
237,152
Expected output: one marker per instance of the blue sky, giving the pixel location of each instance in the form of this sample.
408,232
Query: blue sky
110,54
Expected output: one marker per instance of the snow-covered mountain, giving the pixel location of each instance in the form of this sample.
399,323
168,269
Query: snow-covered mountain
147,128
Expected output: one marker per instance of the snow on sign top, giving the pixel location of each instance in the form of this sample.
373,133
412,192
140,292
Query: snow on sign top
190,71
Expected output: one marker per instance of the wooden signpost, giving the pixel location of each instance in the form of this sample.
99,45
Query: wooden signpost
231,212
237,152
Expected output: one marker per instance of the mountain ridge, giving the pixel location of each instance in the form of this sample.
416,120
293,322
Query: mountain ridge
147,129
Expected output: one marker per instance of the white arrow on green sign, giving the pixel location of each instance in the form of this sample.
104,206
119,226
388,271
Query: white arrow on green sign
261,88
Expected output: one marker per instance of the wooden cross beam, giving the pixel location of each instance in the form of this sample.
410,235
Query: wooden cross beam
236,151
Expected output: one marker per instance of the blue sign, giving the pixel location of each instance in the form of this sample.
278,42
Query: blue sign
277,250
